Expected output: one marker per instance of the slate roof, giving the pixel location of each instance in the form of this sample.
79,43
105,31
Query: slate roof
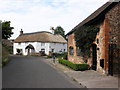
99,14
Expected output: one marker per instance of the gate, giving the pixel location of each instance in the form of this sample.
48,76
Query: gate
114,60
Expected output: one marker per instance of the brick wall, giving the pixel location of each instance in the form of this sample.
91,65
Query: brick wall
73,58
113,17
102,46
108,33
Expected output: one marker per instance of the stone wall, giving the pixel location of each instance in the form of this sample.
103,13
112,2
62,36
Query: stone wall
73,58
113,17
109,34
100,42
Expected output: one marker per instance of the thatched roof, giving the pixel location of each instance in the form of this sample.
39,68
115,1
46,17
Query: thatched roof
96,16
40,37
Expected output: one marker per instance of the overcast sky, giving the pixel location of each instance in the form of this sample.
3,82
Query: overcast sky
39,15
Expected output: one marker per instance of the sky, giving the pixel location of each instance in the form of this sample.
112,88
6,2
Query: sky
40,15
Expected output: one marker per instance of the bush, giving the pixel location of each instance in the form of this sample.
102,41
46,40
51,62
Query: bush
49,56
76,67
5,56
60,55
5,61
9,49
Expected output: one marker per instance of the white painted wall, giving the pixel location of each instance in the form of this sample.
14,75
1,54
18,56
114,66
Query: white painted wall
58,47
39,45
22,46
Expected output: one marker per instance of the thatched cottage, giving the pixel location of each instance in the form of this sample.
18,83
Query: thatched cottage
105,50
29,43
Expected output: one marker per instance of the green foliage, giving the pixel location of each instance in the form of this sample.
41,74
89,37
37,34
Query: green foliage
84,38
49,56
76,67
59,30
6,30
5,56
10,50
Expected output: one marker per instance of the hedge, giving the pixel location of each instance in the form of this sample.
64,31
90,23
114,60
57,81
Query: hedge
76,67
49,56
59,55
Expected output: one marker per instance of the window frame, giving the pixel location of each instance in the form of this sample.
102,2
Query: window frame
71,50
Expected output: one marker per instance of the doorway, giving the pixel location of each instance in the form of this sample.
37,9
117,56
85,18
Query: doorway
30,49
94,56
113,62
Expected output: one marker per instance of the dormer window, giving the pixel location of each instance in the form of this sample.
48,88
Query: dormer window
19,43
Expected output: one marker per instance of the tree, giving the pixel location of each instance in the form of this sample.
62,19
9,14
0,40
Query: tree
6,30
59,30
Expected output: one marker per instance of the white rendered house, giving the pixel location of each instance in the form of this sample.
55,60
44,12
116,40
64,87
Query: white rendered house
35,42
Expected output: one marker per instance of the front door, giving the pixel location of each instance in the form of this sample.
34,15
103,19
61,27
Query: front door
28,51
94,56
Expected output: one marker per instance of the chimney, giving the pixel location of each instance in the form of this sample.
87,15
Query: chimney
21,32
52,28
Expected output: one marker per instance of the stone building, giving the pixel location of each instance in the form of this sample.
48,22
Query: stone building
105,49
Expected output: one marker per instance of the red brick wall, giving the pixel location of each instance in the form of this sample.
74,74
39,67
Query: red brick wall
73,58
102,52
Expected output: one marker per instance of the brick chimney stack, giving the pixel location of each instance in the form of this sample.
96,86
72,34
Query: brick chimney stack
21,32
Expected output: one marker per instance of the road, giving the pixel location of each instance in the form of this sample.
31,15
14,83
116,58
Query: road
33,72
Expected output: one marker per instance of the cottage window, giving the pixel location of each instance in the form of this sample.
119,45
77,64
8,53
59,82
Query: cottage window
52,50
42,44
71,50
60,50
64,50
19,43
19,51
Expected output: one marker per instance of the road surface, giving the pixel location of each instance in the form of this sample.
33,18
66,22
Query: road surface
33,72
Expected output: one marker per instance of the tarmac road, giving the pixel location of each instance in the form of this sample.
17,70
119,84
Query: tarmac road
33,72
